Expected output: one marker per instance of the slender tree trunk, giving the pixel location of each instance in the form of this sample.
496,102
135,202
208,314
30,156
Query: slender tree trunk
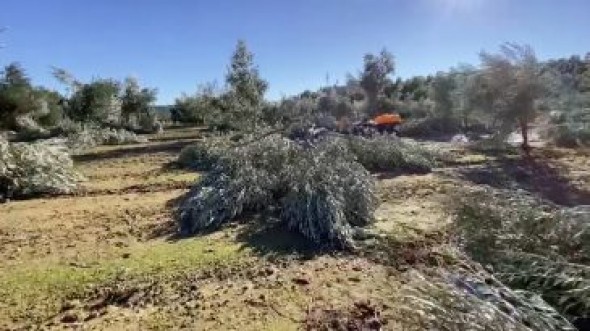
524,130
372,104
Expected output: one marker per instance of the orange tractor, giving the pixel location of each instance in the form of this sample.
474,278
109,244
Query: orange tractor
387,122
384,123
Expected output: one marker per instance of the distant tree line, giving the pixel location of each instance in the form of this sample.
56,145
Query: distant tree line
506,92
106,102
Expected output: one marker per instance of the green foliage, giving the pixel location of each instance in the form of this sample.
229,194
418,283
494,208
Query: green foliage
565,286
320,192
16,101
375,76
87,136
14,75
238,183
323,192
22,105
95,102
108,102
442,87
295,111
239,107
386,105
573,69
335,105
148,122
52,112
328,195
535,248
477,302
136,101
29,169
569,136
386,153
203,155
511,85
414,89
466,92
200,108
66,78
245,84
411,110
502,221
430,126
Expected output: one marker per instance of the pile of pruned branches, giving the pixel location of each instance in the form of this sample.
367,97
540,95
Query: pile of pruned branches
35,168
321,192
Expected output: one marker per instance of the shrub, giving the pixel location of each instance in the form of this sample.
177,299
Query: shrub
320,188
29,169
320,192
149,123
119,137
96,101
531,246
455,301
236,184
501,221
329,194
566,286
203,155
89,137
381,153
430,126
567,136
385,153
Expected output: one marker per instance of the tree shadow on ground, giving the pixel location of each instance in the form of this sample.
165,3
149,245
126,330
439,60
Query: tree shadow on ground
272,239
501,151
190,136
536,175
169,228
131,150
262,233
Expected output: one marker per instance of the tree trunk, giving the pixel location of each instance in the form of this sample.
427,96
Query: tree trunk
372,104
524,130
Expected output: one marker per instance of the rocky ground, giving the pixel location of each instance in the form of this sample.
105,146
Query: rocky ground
107,257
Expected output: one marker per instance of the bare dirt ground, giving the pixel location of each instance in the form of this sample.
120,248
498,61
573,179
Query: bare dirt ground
106,259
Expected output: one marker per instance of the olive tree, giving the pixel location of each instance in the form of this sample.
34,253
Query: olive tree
415,88
95,102
245,86
441,89
375,76
67,78
23,106
16,95
135,101
203,107
335,105
465,81
512,84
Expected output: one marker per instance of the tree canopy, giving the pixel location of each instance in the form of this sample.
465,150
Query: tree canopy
375,76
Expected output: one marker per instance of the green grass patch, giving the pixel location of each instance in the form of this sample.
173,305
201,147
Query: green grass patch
35,292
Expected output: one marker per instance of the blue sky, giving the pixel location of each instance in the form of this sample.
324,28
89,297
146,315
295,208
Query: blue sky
175,45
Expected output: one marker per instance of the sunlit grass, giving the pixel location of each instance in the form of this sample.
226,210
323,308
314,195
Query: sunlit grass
34,292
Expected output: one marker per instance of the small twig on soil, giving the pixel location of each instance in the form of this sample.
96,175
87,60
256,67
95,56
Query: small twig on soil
285,316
